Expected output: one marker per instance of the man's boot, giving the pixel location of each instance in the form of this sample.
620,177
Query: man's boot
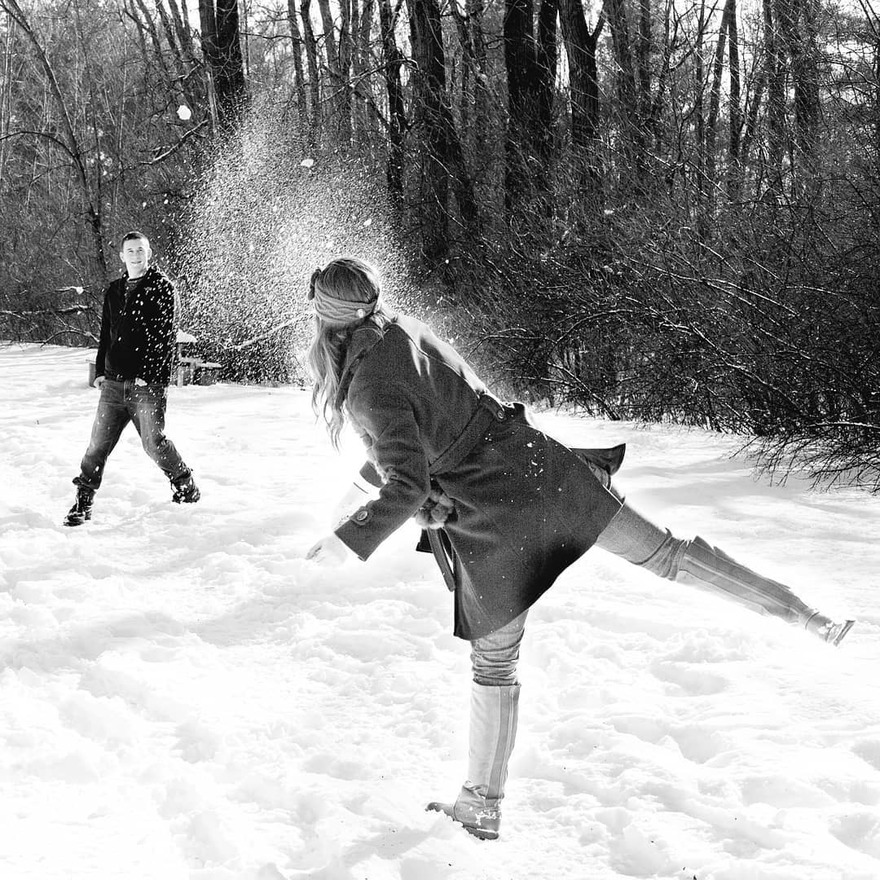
702,565
185,489
82,507
494,712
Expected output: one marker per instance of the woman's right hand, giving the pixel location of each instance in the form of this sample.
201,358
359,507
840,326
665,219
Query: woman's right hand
330,551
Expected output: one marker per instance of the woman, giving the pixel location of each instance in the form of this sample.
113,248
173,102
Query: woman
516,507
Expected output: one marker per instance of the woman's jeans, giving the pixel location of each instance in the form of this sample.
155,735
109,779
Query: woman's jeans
121,403
636,539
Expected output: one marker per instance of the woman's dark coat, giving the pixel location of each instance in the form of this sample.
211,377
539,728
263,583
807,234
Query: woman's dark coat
526,506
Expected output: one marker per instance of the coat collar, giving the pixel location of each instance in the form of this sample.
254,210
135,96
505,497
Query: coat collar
363,340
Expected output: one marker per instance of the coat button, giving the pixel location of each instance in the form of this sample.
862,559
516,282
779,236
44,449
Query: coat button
361,515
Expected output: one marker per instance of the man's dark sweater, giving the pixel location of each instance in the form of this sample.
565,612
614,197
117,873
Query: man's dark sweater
137,329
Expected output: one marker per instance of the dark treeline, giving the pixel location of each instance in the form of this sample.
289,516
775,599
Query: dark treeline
651,210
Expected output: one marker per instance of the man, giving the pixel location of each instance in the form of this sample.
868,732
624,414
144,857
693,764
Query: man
132,371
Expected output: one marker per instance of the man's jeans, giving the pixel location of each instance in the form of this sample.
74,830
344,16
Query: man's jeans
121,403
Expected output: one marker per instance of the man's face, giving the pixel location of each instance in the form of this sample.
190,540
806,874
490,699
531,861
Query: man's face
136,255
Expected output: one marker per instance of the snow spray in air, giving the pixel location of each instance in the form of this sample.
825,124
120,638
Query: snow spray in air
267,213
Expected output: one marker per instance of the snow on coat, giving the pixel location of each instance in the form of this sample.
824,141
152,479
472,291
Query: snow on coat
526,506
144,345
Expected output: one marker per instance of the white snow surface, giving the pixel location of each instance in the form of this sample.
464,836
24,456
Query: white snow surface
182,695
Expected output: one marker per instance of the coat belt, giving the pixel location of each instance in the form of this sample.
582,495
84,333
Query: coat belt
488,410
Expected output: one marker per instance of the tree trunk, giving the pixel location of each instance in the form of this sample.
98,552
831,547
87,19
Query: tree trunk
775,102
148,24
221,46
643,61
876,107
797,22
338,52
700,121
528,137
442,156
311,46
6,96
580,46
342,73
361,28
651,123
734,180
632,135
475,108
329,32
184,33
192,85
299,76
751,124
548,62
393,60
182,87
714,107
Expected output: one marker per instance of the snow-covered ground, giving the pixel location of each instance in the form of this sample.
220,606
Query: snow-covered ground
182,695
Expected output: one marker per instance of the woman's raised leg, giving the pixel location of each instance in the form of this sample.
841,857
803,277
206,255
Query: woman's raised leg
696,562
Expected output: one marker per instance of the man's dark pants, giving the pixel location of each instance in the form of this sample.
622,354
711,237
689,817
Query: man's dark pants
123,402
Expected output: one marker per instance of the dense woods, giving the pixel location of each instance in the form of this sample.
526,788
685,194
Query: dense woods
651,210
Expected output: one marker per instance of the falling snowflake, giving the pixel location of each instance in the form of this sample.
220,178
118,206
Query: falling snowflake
307,163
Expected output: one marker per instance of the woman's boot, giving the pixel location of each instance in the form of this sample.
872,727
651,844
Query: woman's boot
826,629
699,564
494,712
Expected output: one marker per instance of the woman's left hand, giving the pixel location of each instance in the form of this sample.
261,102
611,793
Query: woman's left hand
438,508
330,550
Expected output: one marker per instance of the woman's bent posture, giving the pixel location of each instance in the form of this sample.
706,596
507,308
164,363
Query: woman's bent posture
512,506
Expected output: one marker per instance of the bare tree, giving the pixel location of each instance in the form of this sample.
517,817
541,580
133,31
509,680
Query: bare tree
299,78
581,46
6,77
475,96
311,46
775,99
735,116
714,108
442,157
797,23
66,141
392,62
221,47
628,86
531,69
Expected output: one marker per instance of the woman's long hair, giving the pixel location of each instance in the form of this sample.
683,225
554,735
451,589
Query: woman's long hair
326,360
357,281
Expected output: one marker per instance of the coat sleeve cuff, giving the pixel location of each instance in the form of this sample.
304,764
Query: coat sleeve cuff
354,538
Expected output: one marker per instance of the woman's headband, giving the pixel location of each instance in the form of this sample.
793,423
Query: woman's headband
336,311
